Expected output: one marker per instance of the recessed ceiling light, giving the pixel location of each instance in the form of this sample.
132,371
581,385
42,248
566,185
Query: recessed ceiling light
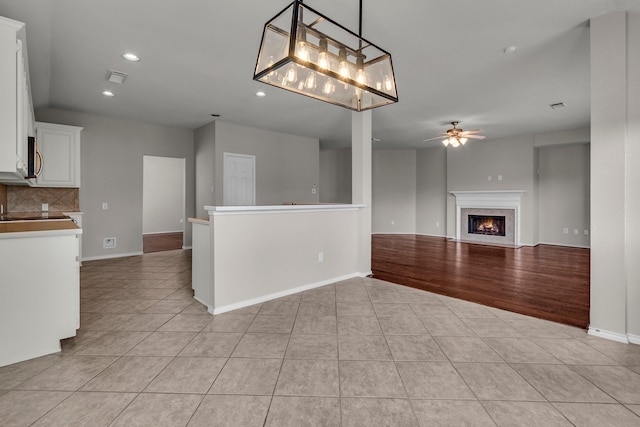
131,57
509,49
261,94
557,105
108,93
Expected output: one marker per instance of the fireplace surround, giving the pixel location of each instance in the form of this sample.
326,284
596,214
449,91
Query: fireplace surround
499,204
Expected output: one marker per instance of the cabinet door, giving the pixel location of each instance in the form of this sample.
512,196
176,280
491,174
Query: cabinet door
23,111
60,148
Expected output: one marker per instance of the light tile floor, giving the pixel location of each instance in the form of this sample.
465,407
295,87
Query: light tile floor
357,353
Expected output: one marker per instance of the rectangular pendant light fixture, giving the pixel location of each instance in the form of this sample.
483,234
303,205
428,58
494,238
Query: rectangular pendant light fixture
306,52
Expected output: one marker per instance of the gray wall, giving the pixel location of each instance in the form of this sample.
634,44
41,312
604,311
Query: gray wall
112,153
287,166
335,176
414,185
394,191
431,191
563,194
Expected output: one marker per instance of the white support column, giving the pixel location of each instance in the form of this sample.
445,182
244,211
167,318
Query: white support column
361,182
615,199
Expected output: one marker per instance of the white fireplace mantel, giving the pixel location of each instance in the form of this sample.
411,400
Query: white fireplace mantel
499,199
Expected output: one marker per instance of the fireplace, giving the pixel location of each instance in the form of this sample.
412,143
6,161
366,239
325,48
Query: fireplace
490,225
488,217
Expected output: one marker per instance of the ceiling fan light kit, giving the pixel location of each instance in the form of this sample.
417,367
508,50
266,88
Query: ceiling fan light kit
306,52
456,137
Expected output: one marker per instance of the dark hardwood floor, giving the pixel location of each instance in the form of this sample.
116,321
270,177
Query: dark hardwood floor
161,242
548,282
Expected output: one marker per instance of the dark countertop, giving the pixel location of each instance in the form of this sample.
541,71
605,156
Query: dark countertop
33,216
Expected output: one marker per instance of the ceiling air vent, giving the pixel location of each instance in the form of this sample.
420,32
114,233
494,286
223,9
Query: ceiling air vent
116,76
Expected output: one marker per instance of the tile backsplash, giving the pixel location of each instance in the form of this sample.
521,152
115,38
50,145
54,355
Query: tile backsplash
30,199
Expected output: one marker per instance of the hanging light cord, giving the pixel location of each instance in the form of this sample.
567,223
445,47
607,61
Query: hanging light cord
360,27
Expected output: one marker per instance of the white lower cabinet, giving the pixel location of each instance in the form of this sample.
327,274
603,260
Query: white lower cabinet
60,149
39,294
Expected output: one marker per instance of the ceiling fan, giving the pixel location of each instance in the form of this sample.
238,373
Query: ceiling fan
456,136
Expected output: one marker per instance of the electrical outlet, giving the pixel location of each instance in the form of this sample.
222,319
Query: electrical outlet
109,242
499,177
566,230
575,231
489,178
45,207
393,222
437,223
105,206
586,232
320,256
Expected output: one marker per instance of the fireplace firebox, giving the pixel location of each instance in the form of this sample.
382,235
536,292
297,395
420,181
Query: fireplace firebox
492,225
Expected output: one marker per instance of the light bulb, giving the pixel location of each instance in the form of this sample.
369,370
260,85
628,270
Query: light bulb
445,142
388,83
328,87
360,75
454,143
292,74
310,82
343,66
302,51
323,56
269,65
463,140
379,85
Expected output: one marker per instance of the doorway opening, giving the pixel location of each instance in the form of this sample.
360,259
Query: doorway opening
163,203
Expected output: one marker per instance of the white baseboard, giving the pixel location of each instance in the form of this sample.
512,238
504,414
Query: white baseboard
612,336
393,232
186,247
431,235
634,339
275,295
121,255
562,244
162,232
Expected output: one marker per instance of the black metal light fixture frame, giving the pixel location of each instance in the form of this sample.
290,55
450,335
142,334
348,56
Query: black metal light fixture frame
306,52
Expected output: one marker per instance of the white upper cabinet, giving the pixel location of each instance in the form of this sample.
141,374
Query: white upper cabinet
60,149
16,111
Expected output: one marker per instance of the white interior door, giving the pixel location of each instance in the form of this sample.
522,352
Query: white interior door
239,180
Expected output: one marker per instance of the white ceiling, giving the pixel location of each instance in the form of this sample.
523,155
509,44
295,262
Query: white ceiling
198,58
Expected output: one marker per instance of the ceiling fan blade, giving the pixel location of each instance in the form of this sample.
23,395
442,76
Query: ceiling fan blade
474,136
437,137
472,131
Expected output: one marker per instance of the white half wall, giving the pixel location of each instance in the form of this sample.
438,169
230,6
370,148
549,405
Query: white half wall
257,256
